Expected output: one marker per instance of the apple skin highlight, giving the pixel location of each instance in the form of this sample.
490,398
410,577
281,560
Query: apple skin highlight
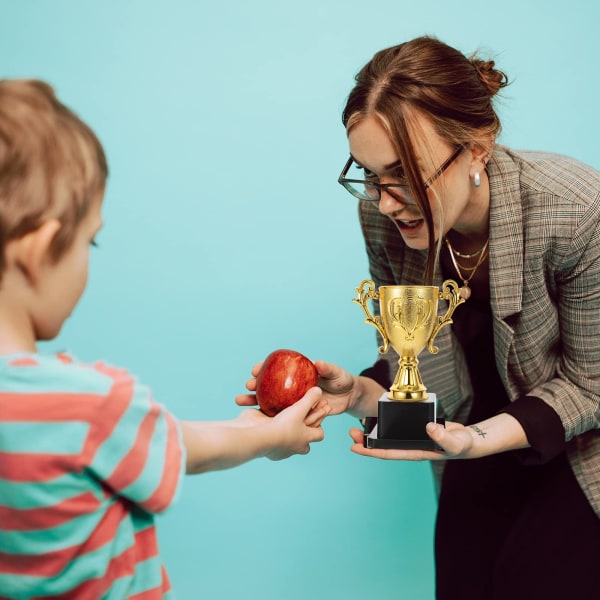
285,376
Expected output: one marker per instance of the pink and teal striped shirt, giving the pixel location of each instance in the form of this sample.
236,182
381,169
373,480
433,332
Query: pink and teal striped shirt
87,458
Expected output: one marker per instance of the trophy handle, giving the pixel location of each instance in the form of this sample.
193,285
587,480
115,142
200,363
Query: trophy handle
366,291
451,293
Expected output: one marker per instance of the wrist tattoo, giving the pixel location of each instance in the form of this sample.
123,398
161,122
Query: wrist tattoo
478,430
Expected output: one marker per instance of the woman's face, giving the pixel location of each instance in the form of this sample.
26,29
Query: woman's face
372,149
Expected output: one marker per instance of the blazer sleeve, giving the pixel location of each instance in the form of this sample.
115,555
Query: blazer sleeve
557,342
543,428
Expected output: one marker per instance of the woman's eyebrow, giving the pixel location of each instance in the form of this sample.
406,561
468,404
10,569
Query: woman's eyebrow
393,165
387,168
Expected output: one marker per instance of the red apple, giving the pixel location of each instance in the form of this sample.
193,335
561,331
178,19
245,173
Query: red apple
285,376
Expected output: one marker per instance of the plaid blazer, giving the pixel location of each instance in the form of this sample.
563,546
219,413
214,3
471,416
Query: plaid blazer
544,264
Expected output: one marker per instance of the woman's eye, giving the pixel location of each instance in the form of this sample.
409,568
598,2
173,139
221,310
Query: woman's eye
399,173
369,175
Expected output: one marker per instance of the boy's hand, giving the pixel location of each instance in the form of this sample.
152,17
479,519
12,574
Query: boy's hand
254,416
317,413
293,428
217,445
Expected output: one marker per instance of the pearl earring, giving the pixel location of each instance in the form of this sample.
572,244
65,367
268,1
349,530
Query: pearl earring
476,179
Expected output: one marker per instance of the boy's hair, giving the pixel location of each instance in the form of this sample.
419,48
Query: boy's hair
51,164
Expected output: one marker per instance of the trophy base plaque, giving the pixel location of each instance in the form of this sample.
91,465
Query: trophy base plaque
401,425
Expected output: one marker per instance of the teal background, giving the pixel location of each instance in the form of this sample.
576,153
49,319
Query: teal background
227,236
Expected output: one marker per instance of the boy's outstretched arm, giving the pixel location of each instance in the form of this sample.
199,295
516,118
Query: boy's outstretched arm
213,446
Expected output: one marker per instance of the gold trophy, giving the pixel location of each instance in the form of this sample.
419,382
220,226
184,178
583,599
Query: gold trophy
408,322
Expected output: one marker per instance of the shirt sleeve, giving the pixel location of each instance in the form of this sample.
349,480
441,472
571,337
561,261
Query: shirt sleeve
380,372
543,428
135,446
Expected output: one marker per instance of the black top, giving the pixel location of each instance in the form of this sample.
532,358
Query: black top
473,328
499,516
509,525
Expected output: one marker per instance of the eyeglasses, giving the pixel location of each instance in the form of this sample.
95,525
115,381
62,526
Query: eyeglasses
369,189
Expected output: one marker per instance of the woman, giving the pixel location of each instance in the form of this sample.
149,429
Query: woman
518,373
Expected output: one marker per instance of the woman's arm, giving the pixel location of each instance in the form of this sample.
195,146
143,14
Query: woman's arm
499,433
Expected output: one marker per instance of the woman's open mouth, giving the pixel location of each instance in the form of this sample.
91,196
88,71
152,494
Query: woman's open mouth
409,226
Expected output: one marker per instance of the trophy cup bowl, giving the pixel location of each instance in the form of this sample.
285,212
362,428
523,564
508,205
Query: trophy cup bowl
409,322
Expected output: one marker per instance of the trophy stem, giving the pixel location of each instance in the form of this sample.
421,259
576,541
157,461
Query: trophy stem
408,385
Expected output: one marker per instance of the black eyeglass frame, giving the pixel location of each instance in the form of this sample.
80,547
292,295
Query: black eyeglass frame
389,187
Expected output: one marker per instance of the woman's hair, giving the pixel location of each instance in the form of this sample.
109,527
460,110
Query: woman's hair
51,164
427,77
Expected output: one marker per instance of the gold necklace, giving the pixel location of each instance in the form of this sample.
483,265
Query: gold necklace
461,255
465,290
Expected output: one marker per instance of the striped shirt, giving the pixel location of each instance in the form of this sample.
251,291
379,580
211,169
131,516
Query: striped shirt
87,458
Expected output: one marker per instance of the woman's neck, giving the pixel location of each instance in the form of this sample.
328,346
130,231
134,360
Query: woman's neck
471,230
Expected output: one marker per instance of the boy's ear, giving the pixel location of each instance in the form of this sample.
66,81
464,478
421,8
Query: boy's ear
30,252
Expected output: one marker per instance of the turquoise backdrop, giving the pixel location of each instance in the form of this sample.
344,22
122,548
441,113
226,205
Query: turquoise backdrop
227,236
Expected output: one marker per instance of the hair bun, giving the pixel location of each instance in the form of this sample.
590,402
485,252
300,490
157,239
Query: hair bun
493,79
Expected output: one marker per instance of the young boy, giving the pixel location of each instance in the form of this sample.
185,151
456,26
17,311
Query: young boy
87,457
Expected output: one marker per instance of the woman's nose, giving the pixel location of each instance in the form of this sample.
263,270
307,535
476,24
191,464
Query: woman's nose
389,203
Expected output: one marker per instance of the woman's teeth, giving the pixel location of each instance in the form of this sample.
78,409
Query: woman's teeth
412,223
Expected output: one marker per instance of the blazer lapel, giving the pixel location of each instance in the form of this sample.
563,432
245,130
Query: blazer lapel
505,253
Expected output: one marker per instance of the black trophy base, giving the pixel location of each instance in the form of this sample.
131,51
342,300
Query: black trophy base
401,425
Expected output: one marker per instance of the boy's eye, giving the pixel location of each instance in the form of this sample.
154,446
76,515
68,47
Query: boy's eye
94,243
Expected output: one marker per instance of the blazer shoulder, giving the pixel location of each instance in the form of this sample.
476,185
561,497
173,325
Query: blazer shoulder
555,175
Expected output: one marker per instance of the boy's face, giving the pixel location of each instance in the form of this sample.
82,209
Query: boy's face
64,281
